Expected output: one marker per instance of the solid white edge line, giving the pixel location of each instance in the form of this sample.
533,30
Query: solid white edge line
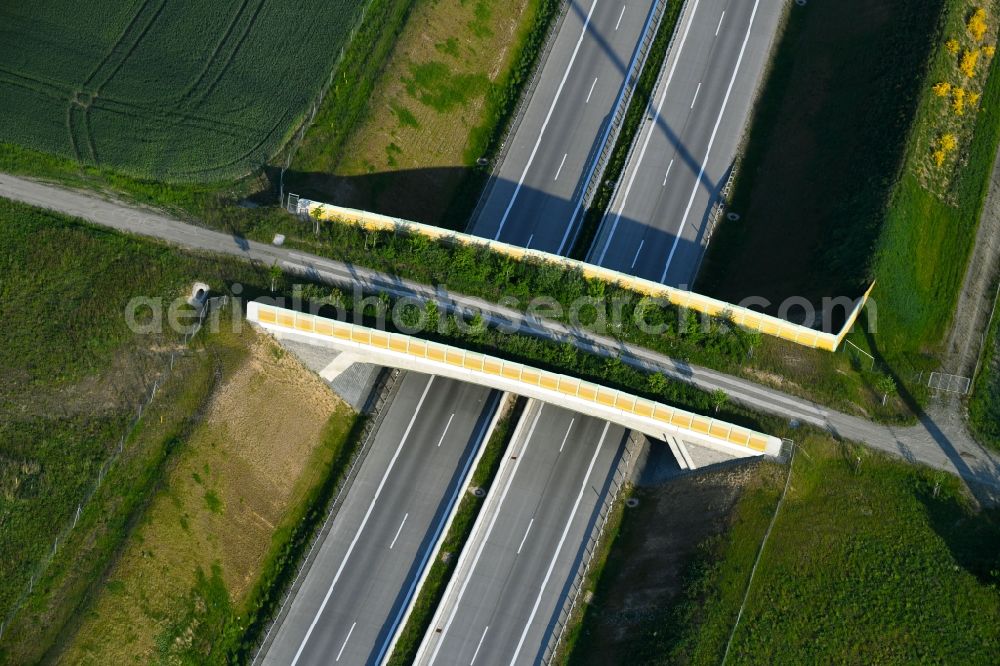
482,542
711,142
344,644
525,537
400,529
562,541
545,124
364,521
649,134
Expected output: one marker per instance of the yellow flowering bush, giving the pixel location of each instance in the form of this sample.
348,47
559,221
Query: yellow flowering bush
951,46
977,24
942,89
969,61
958,101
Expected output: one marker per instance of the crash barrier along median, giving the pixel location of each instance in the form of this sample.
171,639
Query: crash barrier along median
741,316
403,351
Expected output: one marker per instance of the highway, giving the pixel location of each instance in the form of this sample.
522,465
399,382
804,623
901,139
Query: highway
535,197
517,567
657,224
364,574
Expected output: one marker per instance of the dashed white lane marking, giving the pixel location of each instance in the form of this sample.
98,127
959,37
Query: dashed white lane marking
636,257
718,27
361,528
481,639
669,166
711,142
559,170
528,244
447,425
697,90
525,537
345,641
545,124
486,535
559,546
405,516
591,90
649,134
620,18
566,436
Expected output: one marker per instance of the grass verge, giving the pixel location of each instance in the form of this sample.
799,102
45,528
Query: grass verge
465,517
984,405
870,561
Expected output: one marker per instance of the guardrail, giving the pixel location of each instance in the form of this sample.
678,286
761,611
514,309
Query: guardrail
741,316
398,350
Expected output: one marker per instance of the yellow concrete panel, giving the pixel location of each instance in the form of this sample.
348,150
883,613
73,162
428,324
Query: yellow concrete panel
740,436
454,358
398,344
758,444
286,319
719,430
568,385
625,402
342,332
550,382
644,408
475,361
267,315
380,339
418,348
588,392
304,323
531,376
511,371
324,327
699,425
492,366
435,353
606,396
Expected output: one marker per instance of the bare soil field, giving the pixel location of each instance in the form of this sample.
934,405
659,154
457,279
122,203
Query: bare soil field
205,534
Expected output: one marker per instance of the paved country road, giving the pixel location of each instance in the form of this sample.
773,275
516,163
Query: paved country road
939,440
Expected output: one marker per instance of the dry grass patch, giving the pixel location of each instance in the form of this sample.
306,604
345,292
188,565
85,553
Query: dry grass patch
426,121
207,531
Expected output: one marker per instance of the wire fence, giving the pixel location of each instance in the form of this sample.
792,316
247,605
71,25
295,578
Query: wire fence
618,481
42,565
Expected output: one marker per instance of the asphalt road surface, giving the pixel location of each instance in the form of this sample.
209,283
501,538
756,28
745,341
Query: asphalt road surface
365,572
656,226
535,198
502,606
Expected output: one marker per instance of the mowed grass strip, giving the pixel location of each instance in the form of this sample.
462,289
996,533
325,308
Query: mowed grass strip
180,589
431,113
181,91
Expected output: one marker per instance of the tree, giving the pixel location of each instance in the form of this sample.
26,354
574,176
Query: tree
719,399
657,383
885,385
275,273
